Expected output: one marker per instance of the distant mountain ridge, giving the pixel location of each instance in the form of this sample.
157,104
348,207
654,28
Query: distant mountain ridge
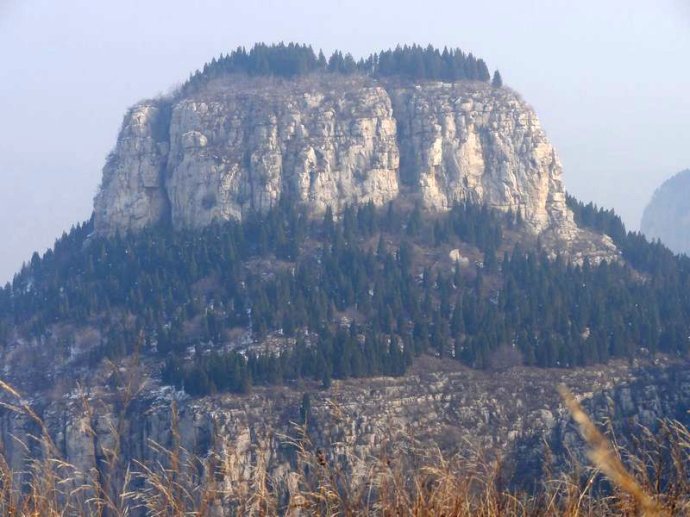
667,216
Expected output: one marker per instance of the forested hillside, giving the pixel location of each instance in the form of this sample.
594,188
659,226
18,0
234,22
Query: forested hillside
359,296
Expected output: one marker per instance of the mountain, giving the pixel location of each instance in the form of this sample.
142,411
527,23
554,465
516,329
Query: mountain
234,144
381,251
667,216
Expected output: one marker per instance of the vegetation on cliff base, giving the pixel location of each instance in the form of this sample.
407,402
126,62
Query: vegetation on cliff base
293,60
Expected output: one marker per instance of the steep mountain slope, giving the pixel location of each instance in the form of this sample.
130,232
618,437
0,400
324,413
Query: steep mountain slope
667,216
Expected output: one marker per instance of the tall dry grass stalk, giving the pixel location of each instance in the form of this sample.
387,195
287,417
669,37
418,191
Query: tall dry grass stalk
606,457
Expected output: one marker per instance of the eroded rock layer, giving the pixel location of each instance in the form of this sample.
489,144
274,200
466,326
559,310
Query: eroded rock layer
511,413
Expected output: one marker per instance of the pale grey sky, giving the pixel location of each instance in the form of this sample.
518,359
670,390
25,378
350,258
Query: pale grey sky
608,78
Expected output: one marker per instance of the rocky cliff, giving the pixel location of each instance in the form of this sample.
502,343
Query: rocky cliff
667,216
239,144
461,142
511,413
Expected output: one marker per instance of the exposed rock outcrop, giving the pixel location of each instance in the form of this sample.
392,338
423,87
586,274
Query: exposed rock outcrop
242,149
132,194
505,412
239,144
463,142
667,216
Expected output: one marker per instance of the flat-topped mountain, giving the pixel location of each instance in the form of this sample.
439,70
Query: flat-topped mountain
379,251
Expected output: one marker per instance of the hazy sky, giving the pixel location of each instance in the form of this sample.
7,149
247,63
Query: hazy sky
609,79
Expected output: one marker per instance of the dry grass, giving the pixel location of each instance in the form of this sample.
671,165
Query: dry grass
652,482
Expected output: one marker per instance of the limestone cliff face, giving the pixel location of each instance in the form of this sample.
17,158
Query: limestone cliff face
240,144
245,144
485,145
242,150
132,194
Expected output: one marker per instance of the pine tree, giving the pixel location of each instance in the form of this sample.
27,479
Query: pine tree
497,81
321,61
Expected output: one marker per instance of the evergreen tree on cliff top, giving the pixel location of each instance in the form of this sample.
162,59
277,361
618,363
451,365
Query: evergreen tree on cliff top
292,60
